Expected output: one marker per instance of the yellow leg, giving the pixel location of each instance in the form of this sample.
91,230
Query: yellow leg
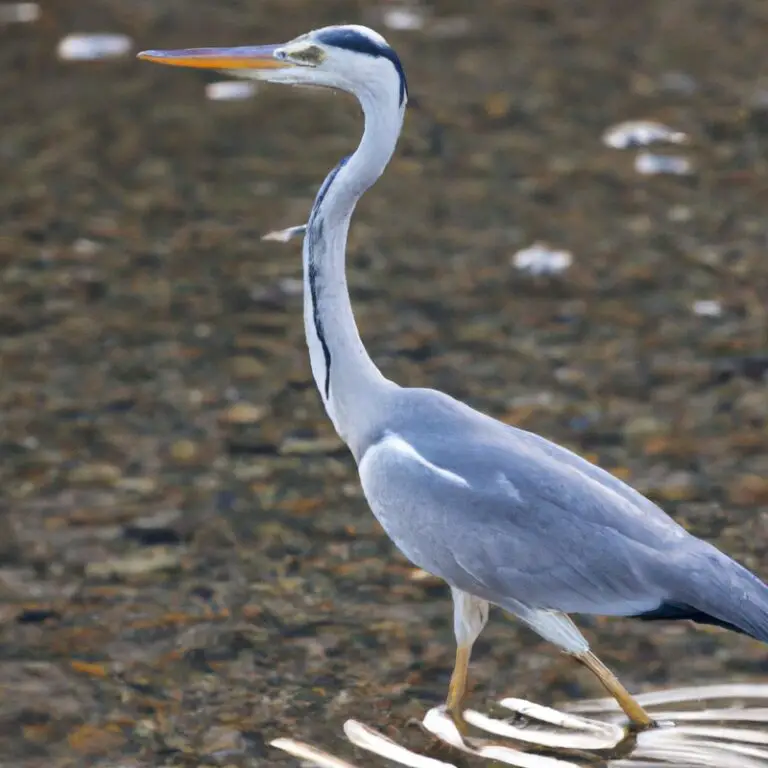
639,719
457,690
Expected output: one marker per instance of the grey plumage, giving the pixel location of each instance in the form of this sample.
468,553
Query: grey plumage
533,523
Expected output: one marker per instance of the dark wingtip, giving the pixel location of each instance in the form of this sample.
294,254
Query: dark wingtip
679,612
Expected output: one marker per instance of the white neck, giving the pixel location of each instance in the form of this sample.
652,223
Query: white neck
348,380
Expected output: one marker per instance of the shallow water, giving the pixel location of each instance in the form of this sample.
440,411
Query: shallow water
187,567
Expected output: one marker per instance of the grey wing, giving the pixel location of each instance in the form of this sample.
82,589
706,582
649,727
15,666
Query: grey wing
485,509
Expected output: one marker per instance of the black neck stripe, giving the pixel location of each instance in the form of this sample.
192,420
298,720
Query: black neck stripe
316,245
319,324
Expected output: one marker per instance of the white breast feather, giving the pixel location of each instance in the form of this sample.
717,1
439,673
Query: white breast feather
397,443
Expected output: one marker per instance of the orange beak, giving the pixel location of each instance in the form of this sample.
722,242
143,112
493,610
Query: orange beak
246,57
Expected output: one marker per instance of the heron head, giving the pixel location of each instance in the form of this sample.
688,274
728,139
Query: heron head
350,58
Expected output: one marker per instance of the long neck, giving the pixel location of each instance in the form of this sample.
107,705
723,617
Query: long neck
348,380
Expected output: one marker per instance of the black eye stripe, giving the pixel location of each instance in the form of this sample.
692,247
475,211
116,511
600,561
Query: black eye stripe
351,40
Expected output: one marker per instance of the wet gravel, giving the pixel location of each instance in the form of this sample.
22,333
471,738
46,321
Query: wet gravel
187,566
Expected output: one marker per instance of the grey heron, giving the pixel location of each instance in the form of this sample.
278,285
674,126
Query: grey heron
502,515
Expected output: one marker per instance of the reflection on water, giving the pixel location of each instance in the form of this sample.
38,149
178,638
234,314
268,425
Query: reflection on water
405,18
649,164
417,18
19,13
730,733
230,90
90,47
707,308
538,259
641,133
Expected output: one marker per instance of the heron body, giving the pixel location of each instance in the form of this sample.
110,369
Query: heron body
512,518
504,516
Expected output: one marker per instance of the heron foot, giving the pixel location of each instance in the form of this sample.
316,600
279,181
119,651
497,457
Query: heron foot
457,717
587,745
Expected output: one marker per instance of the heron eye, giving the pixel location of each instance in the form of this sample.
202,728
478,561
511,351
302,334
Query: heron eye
309,55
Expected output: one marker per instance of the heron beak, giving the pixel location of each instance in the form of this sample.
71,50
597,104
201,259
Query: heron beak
246,57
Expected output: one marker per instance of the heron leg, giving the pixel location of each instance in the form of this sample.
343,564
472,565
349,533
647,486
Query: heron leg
457,689
558,628
470,615
639,719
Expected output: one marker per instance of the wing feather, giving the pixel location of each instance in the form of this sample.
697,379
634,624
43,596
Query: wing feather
526,521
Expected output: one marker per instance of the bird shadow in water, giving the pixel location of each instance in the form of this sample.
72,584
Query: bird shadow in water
717,726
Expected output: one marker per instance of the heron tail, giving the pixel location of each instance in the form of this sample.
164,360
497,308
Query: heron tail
708,587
